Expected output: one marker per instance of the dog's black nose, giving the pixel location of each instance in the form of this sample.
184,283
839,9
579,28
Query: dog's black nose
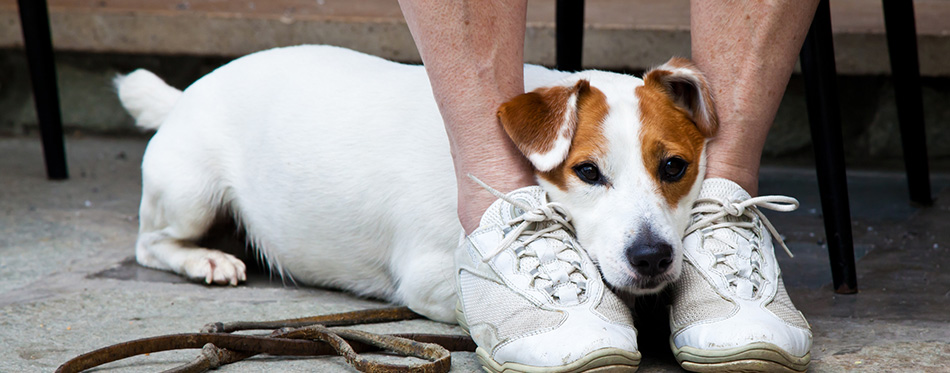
649,255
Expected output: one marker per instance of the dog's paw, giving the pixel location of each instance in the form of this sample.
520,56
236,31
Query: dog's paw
216,267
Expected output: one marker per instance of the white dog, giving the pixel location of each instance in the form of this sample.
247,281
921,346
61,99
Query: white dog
337,165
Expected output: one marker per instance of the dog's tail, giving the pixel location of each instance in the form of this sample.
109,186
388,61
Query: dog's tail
147,97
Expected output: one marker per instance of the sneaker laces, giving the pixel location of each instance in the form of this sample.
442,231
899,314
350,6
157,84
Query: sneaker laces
741,218
551,217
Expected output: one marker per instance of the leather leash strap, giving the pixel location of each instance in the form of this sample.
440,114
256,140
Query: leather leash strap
302,338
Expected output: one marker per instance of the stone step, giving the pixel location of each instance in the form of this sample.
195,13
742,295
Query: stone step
620,34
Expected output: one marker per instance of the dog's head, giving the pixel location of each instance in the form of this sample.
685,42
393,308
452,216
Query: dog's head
626,157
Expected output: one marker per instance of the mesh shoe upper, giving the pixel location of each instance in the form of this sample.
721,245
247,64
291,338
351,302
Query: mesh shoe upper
731,293
526,287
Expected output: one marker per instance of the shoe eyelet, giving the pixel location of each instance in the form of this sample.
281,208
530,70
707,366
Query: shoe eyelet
515,211
519,251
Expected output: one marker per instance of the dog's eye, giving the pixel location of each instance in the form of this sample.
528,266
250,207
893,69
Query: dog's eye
589,173
672,169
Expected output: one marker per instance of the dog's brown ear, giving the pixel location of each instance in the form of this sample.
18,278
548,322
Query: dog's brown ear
542,123
687,88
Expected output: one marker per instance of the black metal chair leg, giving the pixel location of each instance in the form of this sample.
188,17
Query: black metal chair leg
34,17
569,34
905,70
821,91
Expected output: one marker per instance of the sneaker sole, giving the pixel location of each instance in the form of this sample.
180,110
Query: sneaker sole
606,360
756,357
460,317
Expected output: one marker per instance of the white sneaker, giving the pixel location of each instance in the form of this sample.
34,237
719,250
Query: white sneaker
730,310
532,299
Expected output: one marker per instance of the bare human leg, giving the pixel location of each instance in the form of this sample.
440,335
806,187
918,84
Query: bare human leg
473,52
747,50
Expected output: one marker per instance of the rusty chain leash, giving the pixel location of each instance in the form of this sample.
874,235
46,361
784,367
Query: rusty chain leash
311,336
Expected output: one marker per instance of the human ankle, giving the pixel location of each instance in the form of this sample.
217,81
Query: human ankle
473,200
747,179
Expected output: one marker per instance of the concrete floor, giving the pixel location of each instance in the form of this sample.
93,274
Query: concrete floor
67,284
